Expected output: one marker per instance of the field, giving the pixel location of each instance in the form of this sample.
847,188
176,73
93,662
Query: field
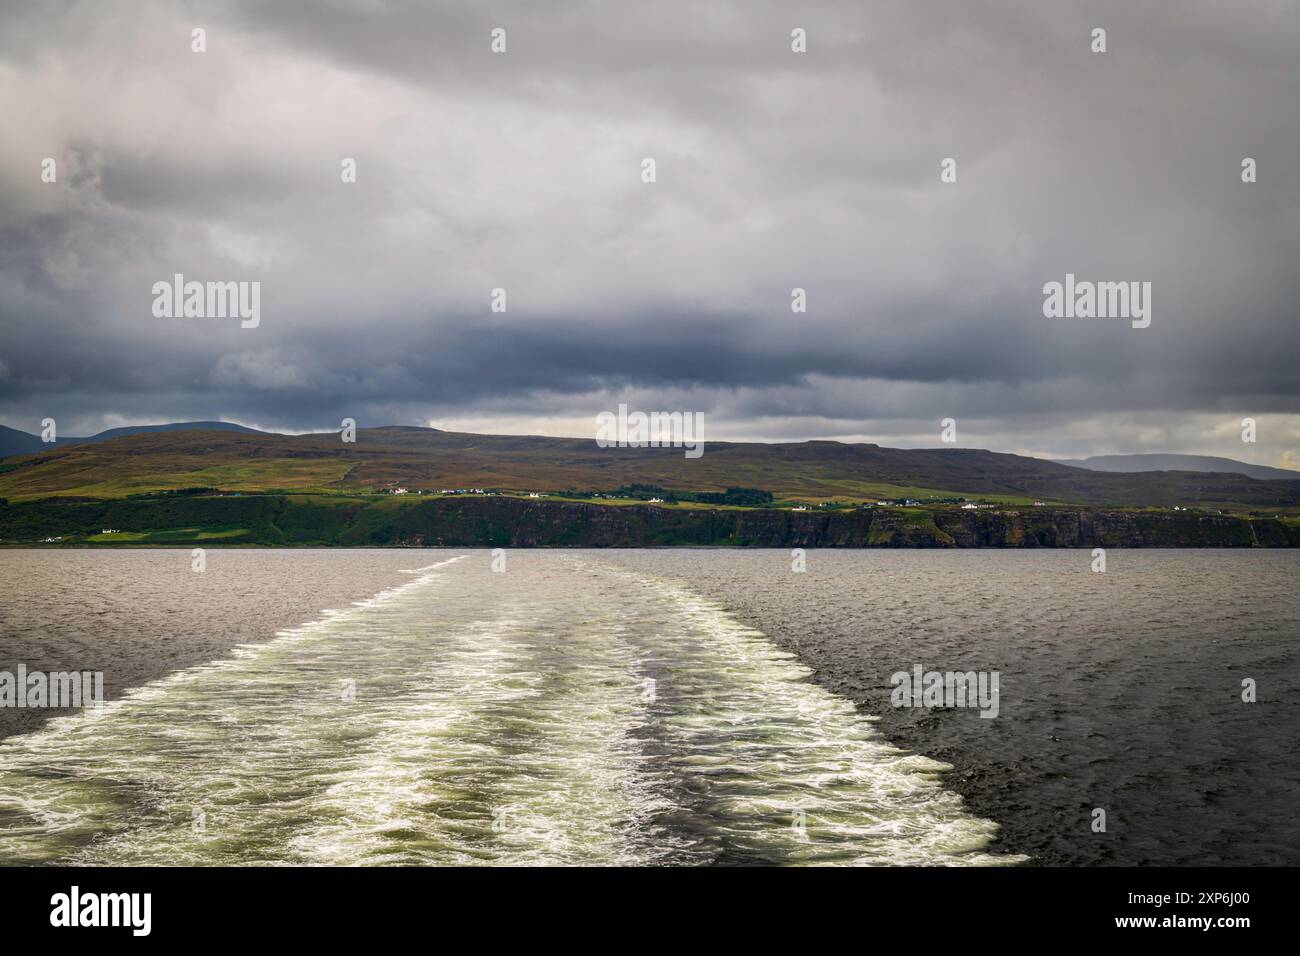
419,459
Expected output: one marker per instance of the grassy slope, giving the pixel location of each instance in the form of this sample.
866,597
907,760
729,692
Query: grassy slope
423,458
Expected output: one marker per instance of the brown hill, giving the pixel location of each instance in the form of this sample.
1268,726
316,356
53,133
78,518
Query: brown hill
421,458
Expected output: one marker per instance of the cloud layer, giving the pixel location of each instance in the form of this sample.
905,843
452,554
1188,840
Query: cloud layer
775,170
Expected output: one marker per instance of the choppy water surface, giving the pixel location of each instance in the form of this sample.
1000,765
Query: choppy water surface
567,711
1119,691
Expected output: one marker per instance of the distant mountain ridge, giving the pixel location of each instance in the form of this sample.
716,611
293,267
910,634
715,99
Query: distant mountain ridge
15,442
1163,462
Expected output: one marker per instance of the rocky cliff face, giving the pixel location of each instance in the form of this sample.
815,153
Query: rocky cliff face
509,522
307,520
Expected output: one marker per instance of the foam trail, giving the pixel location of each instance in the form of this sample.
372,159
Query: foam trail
564,712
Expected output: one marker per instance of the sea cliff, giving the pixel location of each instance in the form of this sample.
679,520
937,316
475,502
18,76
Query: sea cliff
503,521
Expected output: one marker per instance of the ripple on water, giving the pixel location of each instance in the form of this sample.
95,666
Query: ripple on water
566,712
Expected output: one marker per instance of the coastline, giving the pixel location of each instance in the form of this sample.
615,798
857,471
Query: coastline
295,521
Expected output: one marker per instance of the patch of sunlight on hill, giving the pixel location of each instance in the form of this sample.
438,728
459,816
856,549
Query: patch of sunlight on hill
248,475
867,490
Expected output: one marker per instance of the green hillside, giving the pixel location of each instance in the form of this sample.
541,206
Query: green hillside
430,460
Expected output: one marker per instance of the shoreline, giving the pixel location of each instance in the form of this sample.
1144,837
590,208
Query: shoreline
296,521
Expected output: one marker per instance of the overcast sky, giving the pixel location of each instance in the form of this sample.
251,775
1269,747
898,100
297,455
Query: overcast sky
775,170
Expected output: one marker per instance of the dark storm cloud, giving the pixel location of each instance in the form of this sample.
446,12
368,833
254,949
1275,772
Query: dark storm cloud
775,170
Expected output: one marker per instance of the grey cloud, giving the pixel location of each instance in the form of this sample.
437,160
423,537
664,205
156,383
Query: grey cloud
775,171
